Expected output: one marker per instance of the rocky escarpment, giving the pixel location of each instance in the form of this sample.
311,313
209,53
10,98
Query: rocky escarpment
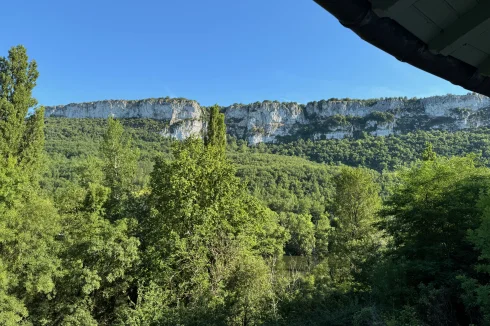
271,121
184,117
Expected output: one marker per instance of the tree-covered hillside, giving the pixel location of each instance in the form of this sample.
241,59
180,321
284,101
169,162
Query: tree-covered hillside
105,222
301,183
80,137
387,152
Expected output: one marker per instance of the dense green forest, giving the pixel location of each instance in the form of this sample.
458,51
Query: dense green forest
79,137
105,222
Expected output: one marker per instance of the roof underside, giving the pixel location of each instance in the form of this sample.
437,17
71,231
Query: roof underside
447,38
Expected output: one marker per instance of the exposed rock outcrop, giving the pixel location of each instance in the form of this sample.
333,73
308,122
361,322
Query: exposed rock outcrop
185,117
272,121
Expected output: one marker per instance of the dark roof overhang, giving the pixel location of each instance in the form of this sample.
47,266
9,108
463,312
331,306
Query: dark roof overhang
389,36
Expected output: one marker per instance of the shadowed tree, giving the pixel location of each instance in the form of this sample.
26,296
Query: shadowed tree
355,240
433,206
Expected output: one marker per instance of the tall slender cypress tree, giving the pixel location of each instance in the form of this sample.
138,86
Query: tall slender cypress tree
428,154
216,134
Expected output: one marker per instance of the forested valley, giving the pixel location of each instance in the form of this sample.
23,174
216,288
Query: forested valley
105,222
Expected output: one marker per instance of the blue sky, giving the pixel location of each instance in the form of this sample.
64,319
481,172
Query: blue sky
214,51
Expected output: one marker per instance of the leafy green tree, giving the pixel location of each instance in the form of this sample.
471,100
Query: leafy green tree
323,231
477,287
427,217
29,223
119,168
22,137
98,261
302,231
28,248
206,238
355,240
98,255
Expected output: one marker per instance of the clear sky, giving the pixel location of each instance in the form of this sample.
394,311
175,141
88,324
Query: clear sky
213,51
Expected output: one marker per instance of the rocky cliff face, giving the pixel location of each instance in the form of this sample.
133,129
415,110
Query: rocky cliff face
185,117
272,121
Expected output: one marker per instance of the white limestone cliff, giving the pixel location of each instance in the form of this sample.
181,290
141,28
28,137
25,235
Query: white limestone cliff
270,121
263,121
185,117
